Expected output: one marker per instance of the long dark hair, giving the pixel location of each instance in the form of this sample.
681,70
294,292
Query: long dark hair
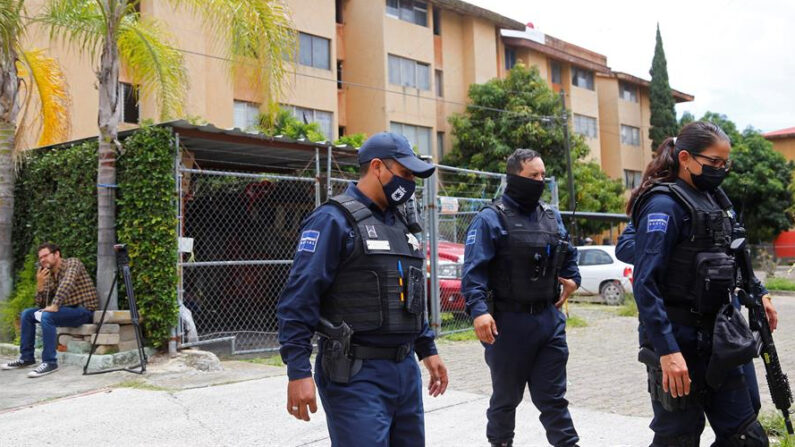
694,138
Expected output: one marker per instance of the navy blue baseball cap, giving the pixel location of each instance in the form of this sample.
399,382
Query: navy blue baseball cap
391,145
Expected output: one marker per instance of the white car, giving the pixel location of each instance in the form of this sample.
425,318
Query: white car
603,274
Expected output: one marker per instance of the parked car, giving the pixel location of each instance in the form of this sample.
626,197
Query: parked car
603,274
451,263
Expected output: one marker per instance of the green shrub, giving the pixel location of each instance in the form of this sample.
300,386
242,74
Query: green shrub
21,298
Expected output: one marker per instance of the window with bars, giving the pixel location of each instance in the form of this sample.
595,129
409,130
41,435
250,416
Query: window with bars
306,115
582,78
418,136
630,135
246,114
555,72
412,11
632,178
628,92
409,73
314,51
585,126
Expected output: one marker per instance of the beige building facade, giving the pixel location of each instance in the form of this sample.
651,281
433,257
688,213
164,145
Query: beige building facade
364,66
783,142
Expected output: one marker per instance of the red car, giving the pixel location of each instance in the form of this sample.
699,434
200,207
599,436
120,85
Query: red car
451,263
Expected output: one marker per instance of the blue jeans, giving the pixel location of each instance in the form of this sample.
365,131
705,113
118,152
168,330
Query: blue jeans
66,316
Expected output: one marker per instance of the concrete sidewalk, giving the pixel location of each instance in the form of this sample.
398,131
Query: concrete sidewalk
252,413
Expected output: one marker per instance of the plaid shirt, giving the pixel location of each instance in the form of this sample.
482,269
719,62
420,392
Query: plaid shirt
71,286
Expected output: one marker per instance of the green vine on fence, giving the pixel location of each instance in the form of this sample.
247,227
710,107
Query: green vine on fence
56,200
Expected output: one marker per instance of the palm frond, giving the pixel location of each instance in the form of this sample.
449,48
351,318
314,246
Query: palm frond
80,23
11,25
45,80
256,36
154,64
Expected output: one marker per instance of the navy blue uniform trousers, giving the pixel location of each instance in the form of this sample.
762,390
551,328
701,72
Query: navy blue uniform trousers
728,408
381,405
530,351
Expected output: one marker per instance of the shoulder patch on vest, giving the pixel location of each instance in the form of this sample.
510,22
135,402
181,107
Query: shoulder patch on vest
308,242
657,222
471,236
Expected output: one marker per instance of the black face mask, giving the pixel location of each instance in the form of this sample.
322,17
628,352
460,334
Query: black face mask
709,179
524,191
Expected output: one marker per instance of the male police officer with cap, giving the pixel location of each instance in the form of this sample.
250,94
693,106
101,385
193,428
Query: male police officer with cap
358,280
517,257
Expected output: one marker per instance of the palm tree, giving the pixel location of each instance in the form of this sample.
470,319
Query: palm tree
253,36
27,78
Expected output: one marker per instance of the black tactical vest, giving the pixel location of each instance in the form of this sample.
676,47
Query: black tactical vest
524,268
701,272
380,288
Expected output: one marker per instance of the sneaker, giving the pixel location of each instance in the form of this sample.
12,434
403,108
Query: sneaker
43,370
17,364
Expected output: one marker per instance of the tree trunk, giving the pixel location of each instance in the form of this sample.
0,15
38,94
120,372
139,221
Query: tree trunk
9,88
108,121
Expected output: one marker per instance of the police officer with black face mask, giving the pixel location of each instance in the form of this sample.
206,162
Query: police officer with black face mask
358,281
683,280
519,269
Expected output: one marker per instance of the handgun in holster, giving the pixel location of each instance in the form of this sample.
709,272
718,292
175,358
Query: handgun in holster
655,385
336,361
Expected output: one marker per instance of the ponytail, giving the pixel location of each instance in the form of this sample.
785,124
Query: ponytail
663,168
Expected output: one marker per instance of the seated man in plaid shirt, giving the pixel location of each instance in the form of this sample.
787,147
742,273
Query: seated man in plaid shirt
65,296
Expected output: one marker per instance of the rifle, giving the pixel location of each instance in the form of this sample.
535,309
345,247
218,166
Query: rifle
750,296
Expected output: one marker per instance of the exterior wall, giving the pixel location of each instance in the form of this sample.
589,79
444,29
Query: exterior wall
609,127
586,102
365,64
785,146
409,105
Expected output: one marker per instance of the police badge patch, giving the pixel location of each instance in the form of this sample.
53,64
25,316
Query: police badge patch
413,241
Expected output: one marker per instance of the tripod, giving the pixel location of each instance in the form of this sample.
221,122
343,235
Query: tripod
123,265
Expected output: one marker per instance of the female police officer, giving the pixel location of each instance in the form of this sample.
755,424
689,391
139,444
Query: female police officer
683,275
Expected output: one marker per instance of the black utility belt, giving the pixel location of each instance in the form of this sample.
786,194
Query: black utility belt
533,307
688,317
396,353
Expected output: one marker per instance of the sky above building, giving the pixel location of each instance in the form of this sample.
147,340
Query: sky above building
737,57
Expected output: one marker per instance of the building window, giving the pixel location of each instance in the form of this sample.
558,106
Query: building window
582,78
409,73
632,178
412,11
437,21
437,75
585,125
324,119
440,143
130,108
510,57
555,72
628,92
418,136
630,135
246,114
338,11
313,51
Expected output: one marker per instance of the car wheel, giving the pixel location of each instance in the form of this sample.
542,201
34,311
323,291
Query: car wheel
612,293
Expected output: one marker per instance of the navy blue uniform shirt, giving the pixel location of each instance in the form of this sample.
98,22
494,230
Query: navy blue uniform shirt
481,247
314,269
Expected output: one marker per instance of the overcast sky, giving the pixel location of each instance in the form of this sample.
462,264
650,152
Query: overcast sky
736,56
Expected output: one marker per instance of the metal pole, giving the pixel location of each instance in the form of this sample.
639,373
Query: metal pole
329,192
567,148
172,344
317,177
433,239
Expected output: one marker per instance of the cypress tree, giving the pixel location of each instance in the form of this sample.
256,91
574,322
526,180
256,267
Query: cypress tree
661,99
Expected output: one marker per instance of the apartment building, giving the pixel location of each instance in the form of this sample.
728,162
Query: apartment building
783,142
401,65
609,109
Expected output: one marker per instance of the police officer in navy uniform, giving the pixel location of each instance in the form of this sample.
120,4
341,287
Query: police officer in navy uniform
357,280
684,275
625,252
516,260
